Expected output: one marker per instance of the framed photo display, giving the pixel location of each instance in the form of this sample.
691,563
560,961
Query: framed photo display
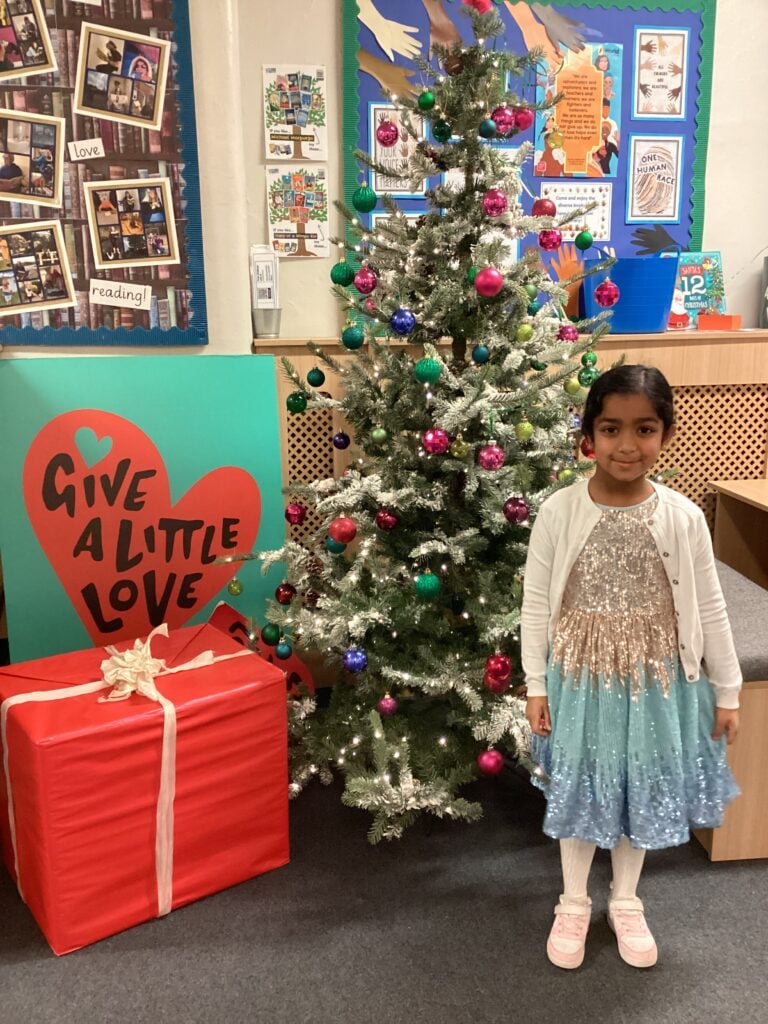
25,42
132,223
32,148
34,268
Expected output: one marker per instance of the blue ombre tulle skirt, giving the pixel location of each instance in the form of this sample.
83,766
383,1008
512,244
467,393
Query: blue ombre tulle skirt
640,764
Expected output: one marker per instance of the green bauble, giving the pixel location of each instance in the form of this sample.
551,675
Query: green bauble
487,129
364,199
334,546
531,291
533,308
379,435
352,337
270,634
459,448
571,386
524,430
235,587
428,586
472,273
316,377
342,273
583,240
588,376
427,371
536,364
426,100
523,333
565,474
442,131
588,358
296,401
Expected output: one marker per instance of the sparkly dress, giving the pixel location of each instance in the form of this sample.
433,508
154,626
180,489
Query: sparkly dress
630,752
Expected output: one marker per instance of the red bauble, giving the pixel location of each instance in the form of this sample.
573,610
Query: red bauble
524,118
494,202
387,706
489,282
499,666
490,762
607,294
568,332
365,280
543,208
504,119
586,448
285,593
435,441
386,520
494,684
550,239
296,513
343,530
387,134
491,456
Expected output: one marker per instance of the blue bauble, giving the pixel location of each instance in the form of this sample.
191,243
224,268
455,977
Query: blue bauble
355,659
481,354
402,321
341,440
283,650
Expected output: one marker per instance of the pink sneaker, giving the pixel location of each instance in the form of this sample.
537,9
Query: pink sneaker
637,946
565,945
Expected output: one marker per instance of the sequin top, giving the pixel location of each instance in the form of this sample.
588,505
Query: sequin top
617,620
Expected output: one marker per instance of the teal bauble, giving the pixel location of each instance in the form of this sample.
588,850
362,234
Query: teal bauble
536,364
270,634
426,100
334,546
428,586
427,371
296,402
342,273
364,199
481,354
316,377
533,308
283,650
353,337
588,376
588,358
487,129
442,131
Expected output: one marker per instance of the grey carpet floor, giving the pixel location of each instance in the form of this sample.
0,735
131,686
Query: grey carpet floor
447,926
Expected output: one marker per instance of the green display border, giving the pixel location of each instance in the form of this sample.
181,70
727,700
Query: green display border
350,42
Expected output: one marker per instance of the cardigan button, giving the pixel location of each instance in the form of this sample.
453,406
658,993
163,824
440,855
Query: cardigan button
666,554
690,679
682,647
675,582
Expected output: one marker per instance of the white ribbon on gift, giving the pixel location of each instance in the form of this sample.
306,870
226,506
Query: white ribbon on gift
131,671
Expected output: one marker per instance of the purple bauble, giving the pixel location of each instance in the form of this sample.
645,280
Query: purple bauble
491,456
524,118
504,119
494,202
489,282
387,134
355,659
568,332
550,239
435,441
607,294
386,520
296,513
365,280
402,321
516,510
341,440
490,762
387,706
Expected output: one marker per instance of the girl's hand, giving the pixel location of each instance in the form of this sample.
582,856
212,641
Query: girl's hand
726,724
537,713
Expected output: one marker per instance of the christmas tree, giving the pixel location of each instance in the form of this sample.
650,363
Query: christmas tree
459,389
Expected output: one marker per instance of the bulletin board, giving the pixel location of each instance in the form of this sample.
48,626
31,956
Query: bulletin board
641,68
100,229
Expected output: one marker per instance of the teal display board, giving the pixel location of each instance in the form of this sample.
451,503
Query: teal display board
121,483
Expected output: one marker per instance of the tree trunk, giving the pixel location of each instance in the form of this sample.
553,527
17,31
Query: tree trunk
297,144
302,250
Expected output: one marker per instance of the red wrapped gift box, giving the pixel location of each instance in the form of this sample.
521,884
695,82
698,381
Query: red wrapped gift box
94,845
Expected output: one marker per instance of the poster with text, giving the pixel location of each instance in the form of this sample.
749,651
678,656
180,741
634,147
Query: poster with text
395,156
653,188
114,508
297,208
660,74
295,112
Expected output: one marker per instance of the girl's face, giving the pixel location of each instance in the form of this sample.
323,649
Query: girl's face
629,435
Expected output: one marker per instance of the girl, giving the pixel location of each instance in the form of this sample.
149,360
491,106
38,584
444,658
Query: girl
621,603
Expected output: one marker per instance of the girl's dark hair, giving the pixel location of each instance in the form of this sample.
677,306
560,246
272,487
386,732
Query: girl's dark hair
629,380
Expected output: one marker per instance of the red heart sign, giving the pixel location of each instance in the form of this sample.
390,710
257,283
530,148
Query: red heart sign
98,498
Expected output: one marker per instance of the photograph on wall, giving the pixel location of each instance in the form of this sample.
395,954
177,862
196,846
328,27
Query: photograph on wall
393,146
131,222
25,45
580,136
295,112
34,268
32,148
660,74
297,208
121,76
655,177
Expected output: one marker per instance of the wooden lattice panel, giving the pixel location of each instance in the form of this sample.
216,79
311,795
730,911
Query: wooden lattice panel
722,434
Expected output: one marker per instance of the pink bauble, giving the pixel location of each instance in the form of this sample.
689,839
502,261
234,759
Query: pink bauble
491,456
387,706
550,239
435,441
504,119
387,134
568,332
498,665
370,306
543,208
494,202
343,529
494,684
607,294
524,118
516,510
296,513
365,280
386,520
489,282
490,762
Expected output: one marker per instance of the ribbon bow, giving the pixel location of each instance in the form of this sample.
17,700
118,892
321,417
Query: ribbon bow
133,670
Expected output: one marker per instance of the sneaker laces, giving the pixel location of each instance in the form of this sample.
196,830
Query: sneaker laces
632,923
570,926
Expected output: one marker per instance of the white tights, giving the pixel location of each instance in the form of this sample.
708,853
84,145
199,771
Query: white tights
576,856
